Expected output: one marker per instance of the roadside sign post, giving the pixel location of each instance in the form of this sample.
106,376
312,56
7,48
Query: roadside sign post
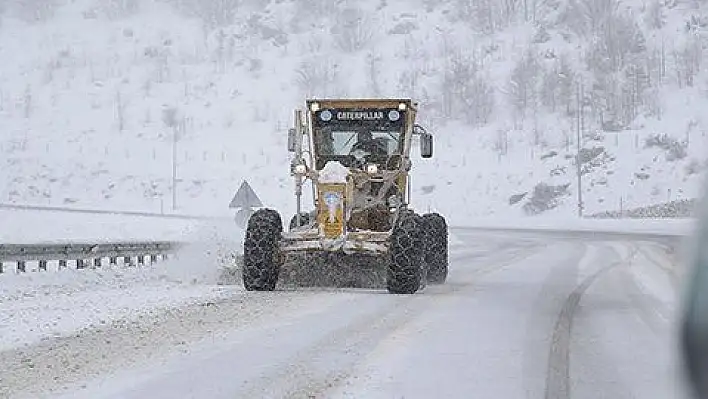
244,201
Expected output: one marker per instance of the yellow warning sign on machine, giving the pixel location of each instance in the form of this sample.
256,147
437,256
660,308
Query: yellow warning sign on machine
331,212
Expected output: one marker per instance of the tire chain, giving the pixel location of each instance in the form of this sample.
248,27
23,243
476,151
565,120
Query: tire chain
260,270
406,255
436,247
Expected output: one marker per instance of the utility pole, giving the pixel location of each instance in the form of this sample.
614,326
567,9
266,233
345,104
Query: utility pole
174,168
579,137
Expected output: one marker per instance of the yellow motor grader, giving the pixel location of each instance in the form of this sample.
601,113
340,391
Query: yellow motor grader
356,155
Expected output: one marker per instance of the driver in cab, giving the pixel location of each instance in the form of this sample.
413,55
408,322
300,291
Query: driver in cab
367,143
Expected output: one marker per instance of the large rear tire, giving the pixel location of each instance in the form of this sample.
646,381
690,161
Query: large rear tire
436,247
260,247
405,255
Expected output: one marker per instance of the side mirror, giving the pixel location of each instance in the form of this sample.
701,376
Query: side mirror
426,145
292,139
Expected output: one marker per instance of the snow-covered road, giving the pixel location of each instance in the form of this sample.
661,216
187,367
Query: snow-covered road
522,315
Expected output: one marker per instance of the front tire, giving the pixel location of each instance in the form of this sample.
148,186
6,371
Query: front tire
436,247
405,255
260,268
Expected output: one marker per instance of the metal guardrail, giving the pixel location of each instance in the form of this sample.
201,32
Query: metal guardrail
84,254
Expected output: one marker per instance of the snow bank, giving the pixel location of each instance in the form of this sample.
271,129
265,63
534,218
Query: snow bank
28,227
677,227
42,305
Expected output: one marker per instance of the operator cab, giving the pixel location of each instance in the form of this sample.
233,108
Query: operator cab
359,136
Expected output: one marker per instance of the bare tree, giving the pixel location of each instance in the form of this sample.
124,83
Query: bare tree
120,111
501,144
481,15
373,66
655,17
313,11
27,102
480,100
116,9
460,69
214,13
353,29
317,77
688,62
408,82
588,17
523,84
466,93
35,10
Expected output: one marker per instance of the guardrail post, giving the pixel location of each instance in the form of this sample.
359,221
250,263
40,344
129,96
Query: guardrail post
86,255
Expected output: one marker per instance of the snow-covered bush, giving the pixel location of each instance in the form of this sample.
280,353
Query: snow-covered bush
545,197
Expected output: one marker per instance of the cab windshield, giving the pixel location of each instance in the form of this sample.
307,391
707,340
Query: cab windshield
355,141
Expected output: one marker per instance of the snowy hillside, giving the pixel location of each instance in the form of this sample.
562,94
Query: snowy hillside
93,92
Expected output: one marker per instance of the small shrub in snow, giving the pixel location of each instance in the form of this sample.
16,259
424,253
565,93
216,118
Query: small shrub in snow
601,181
427,189
516,198
674,209
589,154
541,35
116,9
353,30
545,197
612,126
675,149
549,155
403,28
558,171
693,167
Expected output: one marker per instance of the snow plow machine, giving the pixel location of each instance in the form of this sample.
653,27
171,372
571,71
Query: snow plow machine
355,155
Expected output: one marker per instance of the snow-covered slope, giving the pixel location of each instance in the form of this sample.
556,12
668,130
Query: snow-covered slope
92,94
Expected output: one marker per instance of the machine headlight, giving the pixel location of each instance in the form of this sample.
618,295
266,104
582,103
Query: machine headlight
315,107
372,169
402,106
300,169
326,115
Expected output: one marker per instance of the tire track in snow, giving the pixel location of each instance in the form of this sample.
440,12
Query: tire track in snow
558,370
49,367
651,311
673,274
327,363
